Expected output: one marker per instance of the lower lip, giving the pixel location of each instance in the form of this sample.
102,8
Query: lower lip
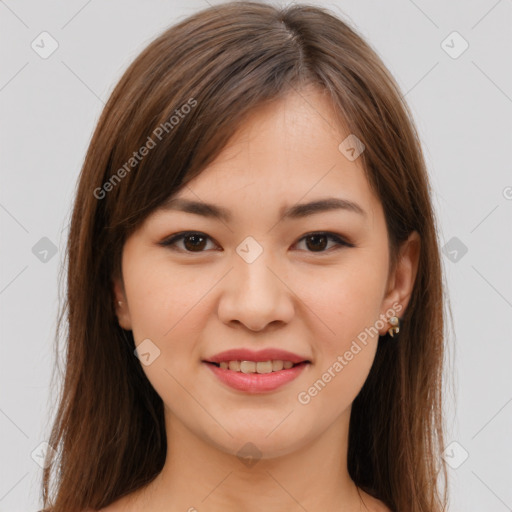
257,382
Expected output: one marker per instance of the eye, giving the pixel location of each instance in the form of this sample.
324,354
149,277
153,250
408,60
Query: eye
318,241
195,241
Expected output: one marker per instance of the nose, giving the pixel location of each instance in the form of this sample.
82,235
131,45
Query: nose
255,295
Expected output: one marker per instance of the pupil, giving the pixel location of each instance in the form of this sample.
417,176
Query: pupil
316,237
196,245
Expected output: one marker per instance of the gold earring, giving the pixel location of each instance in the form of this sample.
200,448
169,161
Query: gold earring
120,302
395,326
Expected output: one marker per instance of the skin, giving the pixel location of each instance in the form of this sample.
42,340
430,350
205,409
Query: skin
294,296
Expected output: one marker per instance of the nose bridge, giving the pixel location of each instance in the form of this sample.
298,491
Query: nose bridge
255,296
255,282
255,277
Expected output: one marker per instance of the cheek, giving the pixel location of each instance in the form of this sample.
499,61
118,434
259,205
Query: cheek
162,299
346,305
345,344
345,302
166,308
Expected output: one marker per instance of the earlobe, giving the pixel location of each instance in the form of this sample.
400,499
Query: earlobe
404,277
121,305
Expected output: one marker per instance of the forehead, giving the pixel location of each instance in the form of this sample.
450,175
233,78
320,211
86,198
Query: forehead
284,153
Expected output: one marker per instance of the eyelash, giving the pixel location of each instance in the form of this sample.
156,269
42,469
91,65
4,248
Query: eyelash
171,242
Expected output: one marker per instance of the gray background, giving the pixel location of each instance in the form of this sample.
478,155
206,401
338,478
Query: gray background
462,106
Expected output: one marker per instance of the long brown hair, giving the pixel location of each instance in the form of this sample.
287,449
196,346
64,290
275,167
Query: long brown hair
182,99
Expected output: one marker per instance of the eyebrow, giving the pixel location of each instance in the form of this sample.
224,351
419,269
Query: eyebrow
296,211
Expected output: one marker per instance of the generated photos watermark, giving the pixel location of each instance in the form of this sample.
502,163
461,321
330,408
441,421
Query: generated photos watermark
152,141
305,397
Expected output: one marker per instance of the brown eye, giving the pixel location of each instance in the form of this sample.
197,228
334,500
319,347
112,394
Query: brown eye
317,242
192,242
196,242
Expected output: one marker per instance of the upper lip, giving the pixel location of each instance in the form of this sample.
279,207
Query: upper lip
268,354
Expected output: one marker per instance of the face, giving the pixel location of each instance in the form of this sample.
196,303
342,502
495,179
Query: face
312,282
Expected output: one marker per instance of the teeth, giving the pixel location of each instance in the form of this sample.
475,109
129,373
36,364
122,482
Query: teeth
234,365
256,367
247,366
277,365
264,367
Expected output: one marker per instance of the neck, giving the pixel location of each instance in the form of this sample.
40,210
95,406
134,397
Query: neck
198,476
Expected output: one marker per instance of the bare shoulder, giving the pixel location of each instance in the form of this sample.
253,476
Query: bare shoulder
125,504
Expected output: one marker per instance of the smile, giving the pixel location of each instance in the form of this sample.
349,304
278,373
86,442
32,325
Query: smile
256,376
256,366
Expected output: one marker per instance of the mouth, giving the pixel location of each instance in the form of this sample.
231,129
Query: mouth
256,371
259,367
256,377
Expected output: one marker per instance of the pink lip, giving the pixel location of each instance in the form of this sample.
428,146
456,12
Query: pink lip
256,382
242,354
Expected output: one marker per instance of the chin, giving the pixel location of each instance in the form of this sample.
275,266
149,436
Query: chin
260,442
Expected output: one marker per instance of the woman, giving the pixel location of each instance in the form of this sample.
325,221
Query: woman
255,303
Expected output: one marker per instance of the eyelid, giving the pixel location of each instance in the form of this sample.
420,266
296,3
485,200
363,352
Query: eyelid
171,240
340,241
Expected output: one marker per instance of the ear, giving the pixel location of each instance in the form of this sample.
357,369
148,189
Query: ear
401,282
121,304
